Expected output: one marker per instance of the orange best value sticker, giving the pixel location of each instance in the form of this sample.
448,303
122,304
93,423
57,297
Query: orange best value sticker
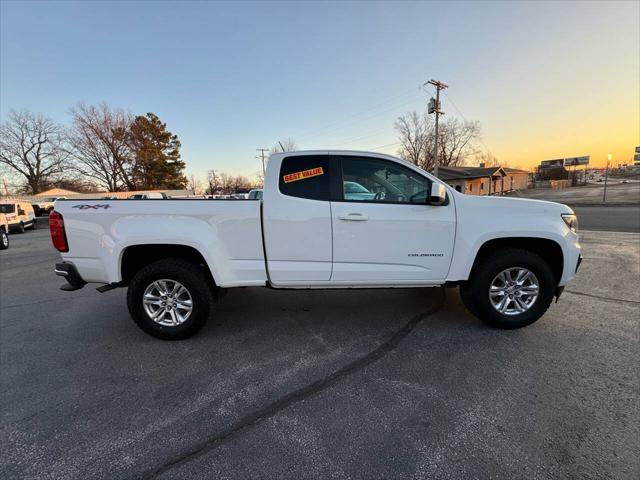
294,177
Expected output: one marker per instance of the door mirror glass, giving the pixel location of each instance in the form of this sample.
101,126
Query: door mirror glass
21,212
438,195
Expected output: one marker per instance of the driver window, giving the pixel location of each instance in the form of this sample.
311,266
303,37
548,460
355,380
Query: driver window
375,180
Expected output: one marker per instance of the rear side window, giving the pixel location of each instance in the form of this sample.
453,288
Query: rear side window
305,177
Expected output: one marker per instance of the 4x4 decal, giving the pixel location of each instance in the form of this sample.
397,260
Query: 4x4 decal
95,207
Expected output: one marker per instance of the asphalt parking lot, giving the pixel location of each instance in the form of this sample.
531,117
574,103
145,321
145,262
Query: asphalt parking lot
325,384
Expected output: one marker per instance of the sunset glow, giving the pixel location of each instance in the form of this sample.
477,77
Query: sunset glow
544,79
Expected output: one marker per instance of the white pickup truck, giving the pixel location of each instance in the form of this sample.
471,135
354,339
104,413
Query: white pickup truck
328,219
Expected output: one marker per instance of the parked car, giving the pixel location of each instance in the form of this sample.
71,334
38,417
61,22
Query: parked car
149,195
255,194
509,256
20,215
355,191
45,206
4,232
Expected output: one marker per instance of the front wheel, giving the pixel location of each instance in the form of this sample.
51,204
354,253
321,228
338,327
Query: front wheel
170,299
4,240
21,227
509,289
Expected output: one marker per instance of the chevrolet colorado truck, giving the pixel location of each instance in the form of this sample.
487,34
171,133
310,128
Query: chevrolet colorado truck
327,219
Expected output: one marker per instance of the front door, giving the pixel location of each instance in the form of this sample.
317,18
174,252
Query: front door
297,221
383,230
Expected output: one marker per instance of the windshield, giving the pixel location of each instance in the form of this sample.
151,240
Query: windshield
353,187
7,208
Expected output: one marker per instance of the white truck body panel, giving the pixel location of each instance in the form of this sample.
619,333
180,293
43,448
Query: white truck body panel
312,243
226,233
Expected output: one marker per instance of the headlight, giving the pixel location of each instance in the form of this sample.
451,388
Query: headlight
571,220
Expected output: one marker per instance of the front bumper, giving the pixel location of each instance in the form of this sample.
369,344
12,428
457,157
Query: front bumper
578,262
70,273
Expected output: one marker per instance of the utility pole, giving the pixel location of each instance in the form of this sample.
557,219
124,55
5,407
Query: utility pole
213,184
434,107
262,150
606,176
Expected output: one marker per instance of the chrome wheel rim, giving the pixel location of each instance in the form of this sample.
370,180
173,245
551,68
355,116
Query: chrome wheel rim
514,291
167,302
5,239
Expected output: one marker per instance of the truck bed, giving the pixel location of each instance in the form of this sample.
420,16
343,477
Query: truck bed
228,232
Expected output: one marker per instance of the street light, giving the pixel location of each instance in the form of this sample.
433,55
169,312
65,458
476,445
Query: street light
606,175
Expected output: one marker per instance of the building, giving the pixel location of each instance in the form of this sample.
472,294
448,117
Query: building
484,180
56,192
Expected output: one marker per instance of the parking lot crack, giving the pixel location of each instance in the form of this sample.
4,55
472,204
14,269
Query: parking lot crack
602,297
296,396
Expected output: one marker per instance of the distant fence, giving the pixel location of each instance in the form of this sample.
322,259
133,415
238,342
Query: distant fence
97,195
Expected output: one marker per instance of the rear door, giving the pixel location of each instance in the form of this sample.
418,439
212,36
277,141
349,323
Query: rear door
383,230
297,221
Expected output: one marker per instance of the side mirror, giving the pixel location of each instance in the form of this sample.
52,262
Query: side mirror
438,195
21,212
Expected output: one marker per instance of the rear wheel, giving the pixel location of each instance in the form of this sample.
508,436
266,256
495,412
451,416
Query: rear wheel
170,299
4,240
509,289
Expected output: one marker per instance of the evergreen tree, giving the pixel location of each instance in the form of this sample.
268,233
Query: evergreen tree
156,155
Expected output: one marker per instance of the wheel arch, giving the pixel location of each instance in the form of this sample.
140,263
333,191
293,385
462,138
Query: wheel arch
549,250
134,257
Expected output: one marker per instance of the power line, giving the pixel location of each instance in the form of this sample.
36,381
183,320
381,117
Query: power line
347,120
382,112
387,145
465,119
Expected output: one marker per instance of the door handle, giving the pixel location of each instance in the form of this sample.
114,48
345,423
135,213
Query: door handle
354,217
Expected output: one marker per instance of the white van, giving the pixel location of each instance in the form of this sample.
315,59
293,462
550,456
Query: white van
4,231
20,215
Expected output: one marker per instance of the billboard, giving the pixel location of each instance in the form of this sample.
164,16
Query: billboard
572,161
558,162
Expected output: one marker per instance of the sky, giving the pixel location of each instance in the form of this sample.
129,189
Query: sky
544,79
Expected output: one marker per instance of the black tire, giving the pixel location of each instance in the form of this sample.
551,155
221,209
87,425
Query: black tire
4,240
192,277
21,227
475,292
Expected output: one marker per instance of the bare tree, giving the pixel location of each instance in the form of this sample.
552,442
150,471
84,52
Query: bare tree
457,141
259,176
32,146
98,143
488,159
288,145
415,141
194,184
